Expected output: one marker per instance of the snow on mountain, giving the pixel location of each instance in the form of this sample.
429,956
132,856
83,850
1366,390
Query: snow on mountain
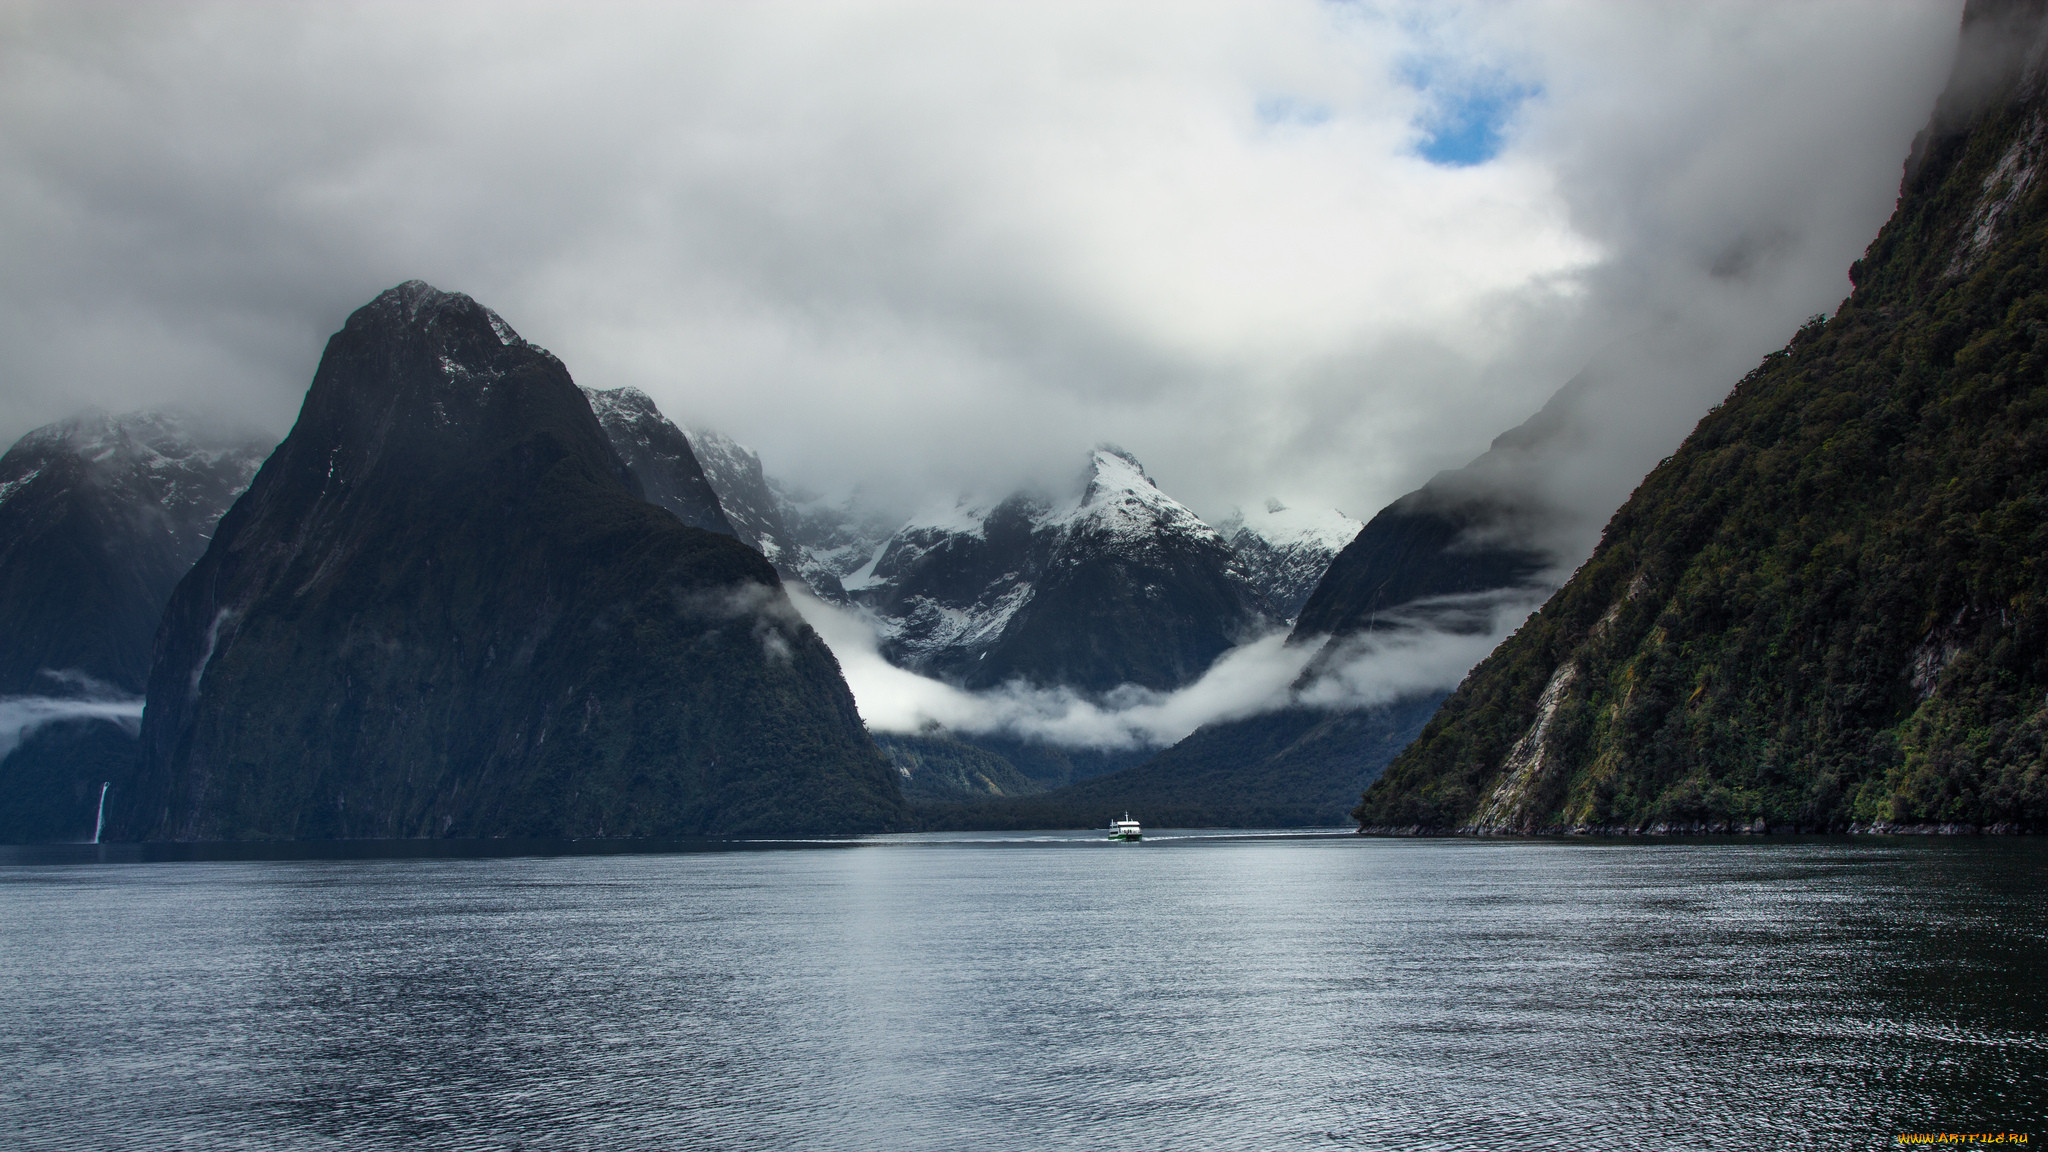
166,467
1112,582
1285,551
750,506
834,539
1121,502
1115,583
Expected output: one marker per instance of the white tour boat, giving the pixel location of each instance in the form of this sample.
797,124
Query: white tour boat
1125,829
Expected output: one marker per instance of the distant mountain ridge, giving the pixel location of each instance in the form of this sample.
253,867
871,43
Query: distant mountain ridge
99,517
953,587
1444,558
1117,584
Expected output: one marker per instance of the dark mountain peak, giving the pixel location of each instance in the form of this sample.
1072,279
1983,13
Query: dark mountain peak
420,384
443,609
417,303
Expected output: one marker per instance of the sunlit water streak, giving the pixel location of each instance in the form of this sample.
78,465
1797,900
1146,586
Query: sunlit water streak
1024,992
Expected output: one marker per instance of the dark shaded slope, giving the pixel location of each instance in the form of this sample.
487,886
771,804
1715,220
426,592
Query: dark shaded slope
1296,768
1107,613
1826,608
442,609
1450,537
1120,585
939,768
658,455
99,517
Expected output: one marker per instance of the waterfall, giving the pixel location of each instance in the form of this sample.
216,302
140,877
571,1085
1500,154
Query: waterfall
100,821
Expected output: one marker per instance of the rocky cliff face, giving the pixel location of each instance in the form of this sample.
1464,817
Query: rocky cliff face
99,517
443,609
1824,610
658,455
807,538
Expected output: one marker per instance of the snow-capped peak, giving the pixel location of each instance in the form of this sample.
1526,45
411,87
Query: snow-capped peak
1287,527
1121,500
626,401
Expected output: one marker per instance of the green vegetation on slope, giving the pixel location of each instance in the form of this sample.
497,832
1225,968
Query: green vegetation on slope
1830,606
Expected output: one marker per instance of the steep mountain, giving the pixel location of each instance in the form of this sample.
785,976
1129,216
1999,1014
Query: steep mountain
443,609
749,505
1285,551
1117,584
1825,609
658,455
99,517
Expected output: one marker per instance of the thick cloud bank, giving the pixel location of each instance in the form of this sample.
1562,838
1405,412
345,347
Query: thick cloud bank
1277,248
1426,649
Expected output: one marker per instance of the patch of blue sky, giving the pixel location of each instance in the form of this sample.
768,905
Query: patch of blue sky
1466,118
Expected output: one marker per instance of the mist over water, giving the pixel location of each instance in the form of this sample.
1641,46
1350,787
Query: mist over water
1013,992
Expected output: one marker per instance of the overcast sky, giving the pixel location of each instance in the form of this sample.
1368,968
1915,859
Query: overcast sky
1308,250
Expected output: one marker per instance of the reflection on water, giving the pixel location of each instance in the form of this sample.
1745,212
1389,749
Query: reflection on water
1061,992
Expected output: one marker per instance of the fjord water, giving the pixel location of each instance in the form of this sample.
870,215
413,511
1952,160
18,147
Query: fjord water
1010,992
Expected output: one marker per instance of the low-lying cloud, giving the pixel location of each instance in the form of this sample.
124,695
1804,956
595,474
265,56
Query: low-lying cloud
1427,648
20,716
1423,647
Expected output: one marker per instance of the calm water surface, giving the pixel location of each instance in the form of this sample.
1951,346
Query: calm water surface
998,993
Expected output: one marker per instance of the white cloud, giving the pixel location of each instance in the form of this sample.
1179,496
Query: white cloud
937,246
1249,679
1426,648
1423,647
22,715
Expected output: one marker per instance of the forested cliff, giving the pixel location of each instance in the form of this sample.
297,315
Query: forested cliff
1829,607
